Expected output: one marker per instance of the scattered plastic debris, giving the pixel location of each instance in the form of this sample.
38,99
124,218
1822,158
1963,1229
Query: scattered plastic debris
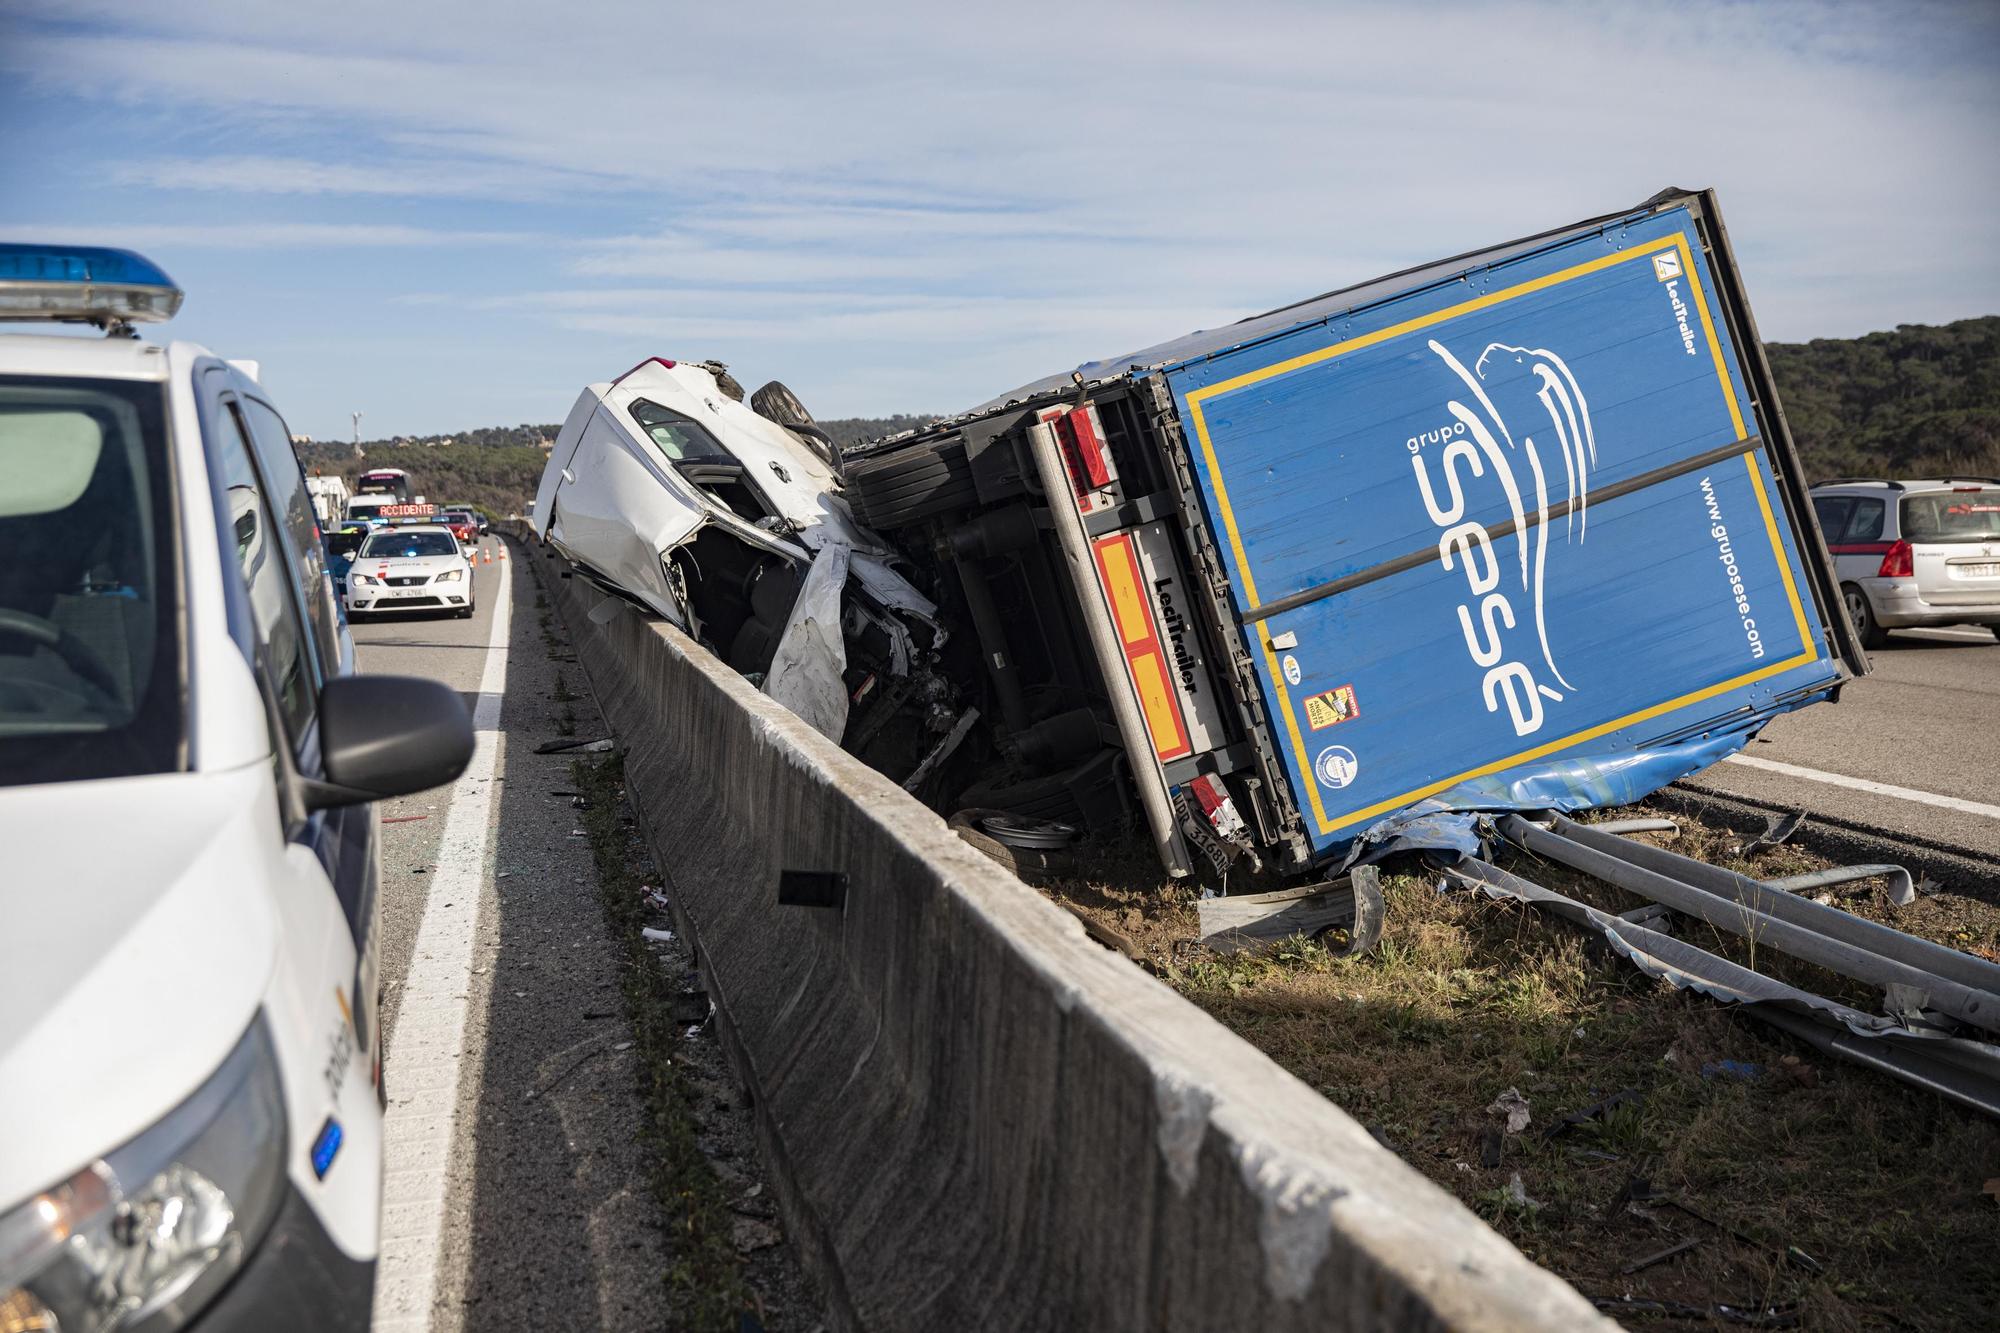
1593,1111
1743,1071
1514,1106
657,936
568,744
1660,1256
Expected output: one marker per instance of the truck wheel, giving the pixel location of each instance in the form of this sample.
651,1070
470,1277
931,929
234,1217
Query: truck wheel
1873,636
780,406
897,489
1031,864
775,402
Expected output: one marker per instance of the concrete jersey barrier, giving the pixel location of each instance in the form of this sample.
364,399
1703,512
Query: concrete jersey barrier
975,1116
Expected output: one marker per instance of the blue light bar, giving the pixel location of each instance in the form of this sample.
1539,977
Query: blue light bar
84,283
325,1146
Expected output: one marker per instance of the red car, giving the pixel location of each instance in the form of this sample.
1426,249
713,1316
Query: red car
463,525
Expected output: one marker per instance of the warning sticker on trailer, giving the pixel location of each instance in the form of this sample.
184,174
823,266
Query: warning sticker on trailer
1331,708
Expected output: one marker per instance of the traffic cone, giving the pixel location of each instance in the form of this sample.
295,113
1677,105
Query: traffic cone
503,550
488,553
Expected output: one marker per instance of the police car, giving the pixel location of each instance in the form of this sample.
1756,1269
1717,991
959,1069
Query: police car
414,567
188,1003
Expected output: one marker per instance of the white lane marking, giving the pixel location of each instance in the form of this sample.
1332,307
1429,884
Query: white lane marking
425,1050
1863,784
1979,634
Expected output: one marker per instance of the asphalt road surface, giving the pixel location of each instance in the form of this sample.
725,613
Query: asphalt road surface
1912,749
514,1192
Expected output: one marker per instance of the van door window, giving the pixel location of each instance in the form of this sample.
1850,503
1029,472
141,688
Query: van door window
700,458
1833,512
1866,524
90,606
291,501
267,576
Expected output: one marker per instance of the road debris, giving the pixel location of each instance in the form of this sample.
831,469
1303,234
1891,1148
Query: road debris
569,744
1596,1110
1660,1256
1514,1107
1772,1317
1743,1071
1351,904
1777,831
1957,1059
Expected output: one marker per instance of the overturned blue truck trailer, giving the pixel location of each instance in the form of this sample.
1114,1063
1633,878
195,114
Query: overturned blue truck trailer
1522,529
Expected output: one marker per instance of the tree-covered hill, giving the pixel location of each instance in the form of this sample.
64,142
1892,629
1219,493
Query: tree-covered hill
499,467
1918,401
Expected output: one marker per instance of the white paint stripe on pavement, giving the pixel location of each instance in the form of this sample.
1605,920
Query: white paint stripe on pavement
423,1059
1863,784
1981,635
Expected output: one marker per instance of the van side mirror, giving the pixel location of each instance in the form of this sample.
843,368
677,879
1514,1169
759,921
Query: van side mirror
382,736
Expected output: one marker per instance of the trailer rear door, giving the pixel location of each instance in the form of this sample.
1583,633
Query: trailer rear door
1515,538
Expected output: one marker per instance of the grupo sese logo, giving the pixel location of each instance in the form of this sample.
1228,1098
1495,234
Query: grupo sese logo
1539,444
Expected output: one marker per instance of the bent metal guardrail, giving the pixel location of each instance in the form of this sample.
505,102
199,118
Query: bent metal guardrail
975,1117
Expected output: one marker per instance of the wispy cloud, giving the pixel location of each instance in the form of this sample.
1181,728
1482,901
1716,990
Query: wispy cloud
431,179
256,235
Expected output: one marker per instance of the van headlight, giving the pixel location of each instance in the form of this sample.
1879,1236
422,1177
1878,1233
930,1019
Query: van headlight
141,1239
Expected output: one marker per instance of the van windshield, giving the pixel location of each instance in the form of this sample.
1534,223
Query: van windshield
90,679
1952,516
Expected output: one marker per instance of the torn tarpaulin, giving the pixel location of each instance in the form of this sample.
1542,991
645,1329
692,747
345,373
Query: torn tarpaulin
1446,821
806,669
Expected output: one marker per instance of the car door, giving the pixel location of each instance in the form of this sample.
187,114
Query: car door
328,856
1834,513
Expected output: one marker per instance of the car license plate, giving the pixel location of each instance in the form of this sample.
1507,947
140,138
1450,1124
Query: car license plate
1985,571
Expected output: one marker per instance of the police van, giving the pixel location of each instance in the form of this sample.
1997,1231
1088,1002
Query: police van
193,1135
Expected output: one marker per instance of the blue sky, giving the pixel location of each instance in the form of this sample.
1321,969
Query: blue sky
449,215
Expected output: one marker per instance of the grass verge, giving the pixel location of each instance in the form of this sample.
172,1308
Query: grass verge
1777,1150
704,1279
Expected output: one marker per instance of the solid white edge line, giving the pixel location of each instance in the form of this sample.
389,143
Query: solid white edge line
422,1065
1863,784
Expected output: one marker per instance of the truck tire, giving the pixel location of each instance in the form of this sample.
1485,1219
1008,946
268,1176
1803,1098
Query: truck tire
1033,865
776,403
781,407
897,489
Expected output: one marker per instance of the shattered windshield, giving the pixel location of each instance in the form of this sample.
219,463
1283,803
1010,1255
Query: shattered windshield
680,439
